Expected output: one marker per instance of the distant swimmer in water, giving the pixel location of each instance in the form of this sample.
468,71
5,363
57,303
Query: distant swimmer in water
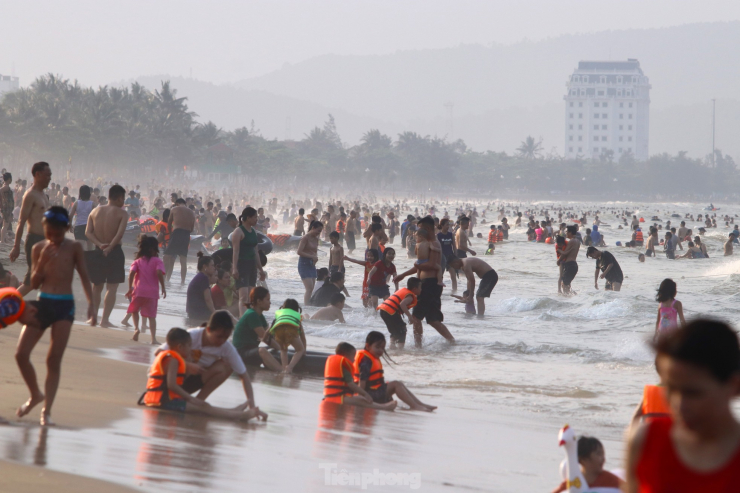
609,267
333,311
488,278
339,382
670,310
568,258
697,448
728,245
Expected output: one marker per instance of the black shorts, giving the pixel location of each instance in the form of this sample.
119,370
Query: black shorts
247,268
192,383
395,325
381,291
110,269
349,237
650,253
250,354
297,232
31,240
80,232
53,309
570,269
671,254
179,243
380,395
486,284
429,304
462,254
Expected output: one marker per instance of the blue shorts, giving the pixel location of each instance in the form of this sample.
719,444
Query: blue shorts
306,268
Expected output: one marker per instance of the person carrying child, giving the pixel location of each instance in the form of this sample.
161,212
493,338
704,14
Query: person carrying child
339,383
397,304
54,261
369,375
287,330
167,377
147,275
670,310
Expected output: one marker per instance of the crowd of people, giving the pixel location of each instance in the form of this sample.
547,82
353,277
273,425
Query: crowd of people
698,362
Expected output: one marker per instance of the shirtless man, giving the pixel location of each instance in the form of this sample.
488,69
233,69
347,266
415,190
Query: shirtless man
7,204
106,264
66,199
429,267
34,204
181,223
488,279
461,239
307,258
568,258
298,225
208,218
728,245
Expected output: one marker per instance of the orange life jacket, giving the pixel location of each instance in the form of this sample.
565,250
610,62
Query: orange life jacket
12,318
492,237
160,225
341,226
376,370
638,235
335,388
559,250
156,385
392,304
654,402
499,235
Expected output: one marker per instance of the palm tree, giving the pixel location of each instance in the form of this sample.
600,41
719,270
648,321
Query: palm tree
530,148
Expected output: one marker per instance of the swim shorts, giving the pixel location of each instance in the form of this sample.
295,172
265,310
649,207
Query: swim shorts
147,307
671,254
80,232
380,395
106,269
570,269
247,268
335,268
250,355
192,383
486,284
395,324
31,240
649,253
179,243
297,232
350,238
429,305
54,308
306,268
379,291
462,254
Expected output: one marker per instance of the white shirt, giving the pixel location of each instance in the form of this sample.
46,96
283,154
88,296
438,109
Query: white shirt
207,356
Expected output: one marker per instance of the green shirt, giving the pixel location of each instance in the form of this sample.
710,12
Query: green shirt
247,244
244,334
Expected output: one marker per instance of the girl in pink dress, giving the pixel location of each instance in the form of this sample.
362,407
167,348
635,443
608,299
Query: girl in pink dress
670,310
147,275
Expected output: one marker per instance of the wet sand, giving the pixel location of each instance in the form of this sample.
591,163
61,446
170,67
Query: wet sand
18,478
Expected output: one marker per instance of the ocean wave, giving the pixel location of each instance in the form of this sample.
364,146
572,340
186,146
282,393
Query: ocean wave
518,305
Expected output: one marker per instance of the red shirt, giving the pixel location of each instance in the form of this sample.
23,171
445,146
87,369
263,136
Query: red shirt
603,480
660,470
381,273
218,297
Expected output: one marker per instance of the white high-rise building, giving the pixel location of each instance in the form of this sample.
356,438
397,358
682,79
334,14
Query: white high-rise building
8,83
607,108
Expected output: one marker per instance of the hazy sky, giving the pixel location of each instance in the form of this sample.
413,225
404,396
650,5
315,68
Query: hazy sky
99,41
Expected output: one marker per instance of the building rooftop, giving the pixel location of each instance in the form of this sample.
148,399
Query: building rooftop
631,65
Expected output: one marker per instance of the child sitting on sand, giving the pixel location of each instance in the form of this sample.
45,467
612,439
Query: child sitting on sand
167,376
54,261
287,331
670,310
591,458
147,275
339,384
369,375
333,311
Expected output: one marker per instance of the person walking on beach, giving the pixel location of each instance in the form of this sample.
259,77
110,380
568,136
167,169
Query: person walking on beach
609,267
144,281
34,205
105,227
81,210
54,261
181,223
308,257
568,258
471,267
696,448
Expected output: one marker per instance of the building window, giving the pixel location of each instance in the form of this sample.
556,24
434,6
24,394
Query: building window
604,115
621,116
596,127
603,79
596,115
603,139
629,138
621,127
580,104
596,105
596,149
619,79
571,138
629,128
571,104
584,79
630,116
603,127
571,127
570,149
571,115
601,93
580,115
630,105
580,149
596,138
580,127
604,105
580,138
621,105
620,138
620,149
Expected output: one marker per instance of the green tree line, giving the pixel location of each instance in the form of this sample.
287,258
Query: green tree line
125,130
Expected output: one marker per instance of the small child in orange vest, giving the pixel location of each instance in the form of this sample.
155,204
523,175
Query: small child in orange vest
369,375
339,384
166,376
399,304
